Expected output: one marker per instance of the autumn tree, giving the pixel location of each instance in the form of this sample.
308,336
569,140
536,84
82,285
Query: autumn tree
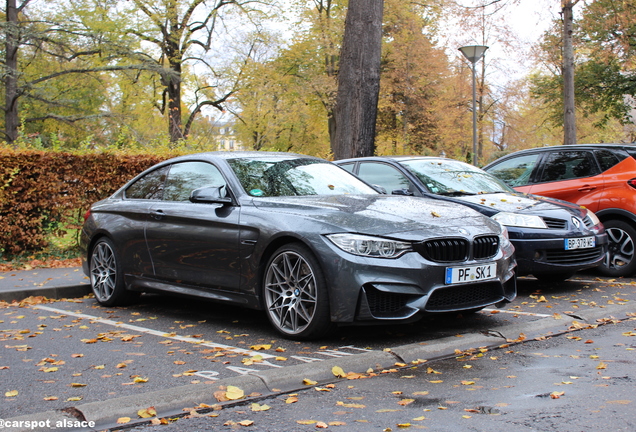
186,32
606,76
603,83
46,68
287,91
415,76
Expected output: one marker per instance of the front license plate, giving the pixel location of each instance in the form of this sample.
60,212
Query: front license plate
580,243
471,273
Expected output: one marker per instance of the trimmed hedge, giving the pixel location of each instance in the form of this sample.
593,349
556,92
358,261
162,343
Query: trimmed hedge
41,192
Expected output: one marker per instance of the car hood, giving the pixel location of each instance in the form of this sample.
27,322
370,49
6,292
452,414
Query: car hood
521,203
408,218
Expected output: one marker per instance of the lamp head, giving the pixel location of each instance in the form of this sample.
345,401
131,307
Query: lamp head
473,52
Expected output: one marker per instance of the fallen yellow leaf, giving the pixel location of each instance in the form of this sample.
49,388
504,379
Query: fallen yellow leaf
338,372
234,393
123,420
11,393
346,405
257,407
307,381
556,395
260,347
147,412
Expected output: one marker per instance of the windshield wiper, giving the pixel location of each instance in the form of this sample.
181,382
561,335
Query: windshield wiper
456,193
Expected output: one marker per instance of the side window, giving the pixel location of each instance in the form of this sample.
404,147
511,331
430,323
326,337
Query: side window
608,159
349,167
569,165
149,186
515,171
185,177
385,176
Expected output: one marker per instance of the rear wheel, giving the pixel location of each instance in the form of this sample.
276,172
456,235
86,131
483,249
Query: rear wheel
621,255
295,294
107,279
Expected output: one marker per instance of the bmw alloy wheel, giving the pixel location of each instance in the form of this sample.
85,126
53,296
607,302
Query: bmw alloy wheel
294,293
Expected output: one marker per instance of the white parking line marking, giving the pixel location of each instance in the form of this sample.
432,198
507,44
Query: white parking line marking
517,312
166,335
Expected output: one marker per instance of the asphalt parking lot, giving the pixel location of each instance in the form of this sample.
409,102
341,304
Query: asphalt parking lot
75,353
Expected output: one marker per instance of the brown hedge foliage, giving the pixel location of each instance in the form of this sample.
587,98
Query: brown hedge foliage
42,191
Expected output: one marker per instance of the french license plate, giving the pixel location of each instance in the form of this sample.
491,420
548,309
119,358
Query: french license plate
472,273
580,243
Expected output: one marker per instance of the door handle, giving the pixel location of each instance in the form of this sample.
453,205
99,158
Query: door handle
157,214
586,188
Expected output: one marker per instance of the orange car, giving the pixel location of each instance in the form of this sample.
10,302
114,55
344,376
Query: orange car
601,177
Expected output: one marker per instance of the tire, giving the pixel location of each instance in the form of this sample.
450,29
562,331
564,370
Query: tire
621,255
554,277
295,294
107,278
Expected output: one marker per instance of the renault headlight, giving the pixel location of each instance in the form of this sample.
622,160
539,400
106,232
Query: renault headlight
369,246
593,217
519,220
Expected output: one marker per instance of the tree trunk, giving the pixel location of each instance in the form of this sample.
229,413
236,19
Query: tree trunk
11,119
172,81
358,81
174,104
569,118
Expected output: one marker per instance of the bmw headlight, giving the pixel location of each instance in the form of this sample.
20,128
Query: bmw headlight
369,246
519,220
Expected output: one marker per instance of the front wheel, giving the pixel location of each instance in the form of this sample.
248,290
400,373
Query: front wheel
621,257
295,294
107,279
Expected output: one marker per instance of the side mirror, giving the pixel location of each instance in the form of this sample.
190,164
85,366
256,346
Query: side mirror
210,194
404,192
379,188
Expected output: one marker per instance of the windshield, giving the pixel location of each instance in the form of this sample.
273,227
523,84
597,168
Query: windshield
276,176
450,177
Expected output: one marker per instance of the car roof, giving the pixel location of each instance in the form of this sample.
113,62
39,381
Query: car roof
239,155
395,158
631,146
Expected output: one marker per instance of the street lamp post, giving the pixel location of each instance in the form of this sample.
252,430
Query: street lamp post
473,53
